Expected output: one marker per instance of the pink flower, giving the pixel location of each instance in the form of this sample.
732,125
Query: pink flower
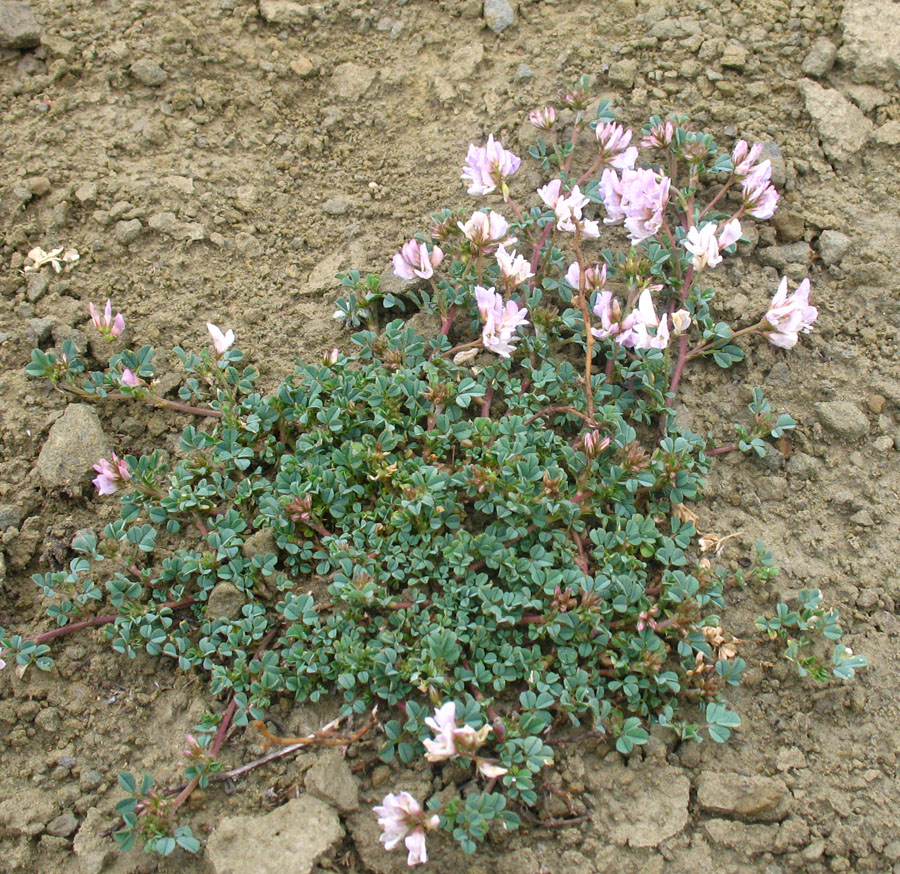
192,750
332,356
486,230
414,260
112,475
790,315
614,326
646,318
660,136
594,444
760,196
107,325
514,268
543,118
450,737
594,277
488,166
638,198
743,157
705,246
614,148
500,322
221,342
130,379
568,209
402,818
729,234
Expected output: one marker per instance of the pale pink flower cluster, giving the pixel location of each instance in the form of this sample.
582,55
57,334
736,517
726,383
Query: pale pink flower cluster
500,321
594,444
638,198
760,196
613,325
660,136
485,231
515,269
112,475
488,166
543,118
705,246
451,739
402,819
568,209
414,260
613,140
221,342
594,277
790,316
107,325
645,318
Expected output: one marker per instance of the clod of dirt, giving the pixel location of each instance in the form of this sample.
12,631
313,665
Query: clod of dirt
498,15
843,418
820,58
843,129
871,46
75,443
149,73
289,840
754,798
833,245
331,780
19,29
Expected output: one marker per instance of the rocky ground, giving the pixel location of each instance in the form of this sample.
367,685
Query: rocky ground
222,160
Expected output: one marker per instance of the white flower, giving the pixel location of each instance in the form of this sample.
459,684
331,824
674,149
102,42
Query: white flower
221,342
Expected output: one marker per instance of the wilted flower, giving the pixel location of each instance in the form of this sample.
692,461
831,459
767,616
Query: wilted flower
514,268
543,118
614,148
130,379
790,315
594,444
414,260
613,325
488,166
107,325
660,136
594,277
112,475
55,257
638,198
221,342
500,321
192,750
490,771
486,230
401,818
760,196
743,157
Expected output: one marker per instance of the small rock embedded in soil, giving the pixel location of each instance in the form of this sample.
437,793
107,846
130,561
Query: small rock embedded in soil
843,129
498,15
843,418
19,29
283,11
92,849
289,840
63,826
225,602
352,81
871,46
833,245
75,443
127,232
331,780
148,72
754,798
820,58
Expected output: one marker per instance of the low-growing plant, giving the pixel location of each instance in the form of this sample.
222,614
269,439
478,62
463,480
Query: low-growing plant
477,528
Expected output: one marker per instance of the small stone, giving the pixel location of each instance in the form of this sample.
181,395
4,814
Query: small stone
283,11
790,225
754,798
261,542
843,418
37,331
820,58
814,851
832,246
10,516
780,257
789,758
86,193
843,129
38,185
884,443
871,40
331,780
876,403
892,851
302,66
48,720
58,46
148,73
337,206
225,602
498,15
322,277
19,29
127,232
352,81
623,73
64,825
36,286
749,840
26,812
75,443
734,57
93,850
292,838
772,152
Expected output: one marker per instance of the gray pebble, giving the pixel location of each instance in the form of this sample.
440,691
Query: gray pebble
803,466
843,418
790,253
833,245
86,193
75,443
337,206
148,73
19,29
820,58
64,825
37,331
127,232
498,15
772,151
10,516
36,286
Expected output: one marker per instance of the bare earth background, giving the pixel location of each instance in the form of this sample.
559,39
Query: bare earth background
213,163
